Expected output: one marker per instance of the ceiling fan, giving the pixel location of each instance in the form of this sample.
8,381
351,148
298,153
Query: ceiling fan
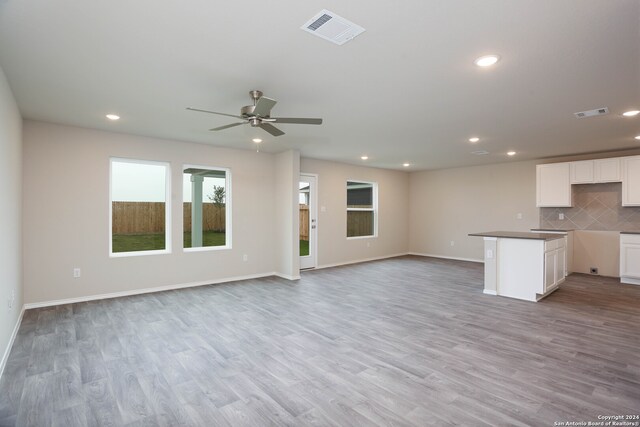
259,115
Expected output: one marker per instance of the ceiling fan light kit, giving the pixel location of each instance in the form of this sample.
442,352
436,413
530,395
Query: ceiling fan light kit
259,115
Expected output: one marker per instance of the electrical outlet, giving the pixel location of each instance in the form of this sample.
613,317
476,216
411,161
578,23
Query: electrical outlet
560,216
245,257
76,273
519,215
593,270
453,243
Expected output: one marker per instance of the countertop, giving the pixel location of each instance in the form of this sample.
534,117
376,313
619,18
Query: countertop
557,230
519,235
630,232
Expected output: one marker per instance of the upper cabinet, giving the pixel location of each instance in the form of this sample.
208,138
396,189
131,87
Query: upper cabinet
553,185
631,181
596,171
553,180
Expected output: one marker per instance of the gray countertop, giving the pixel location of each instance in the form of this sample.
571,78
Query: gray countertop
519,235
630,232
557,230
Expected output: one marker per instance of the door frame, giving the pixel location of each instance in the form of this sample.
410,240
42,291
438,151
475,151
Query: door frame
313,214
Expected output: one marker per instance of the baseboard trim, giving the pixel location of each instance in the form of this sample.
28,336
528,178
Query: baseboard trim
630,281
144,291
489,292
358,261
7,351
446,257
286,276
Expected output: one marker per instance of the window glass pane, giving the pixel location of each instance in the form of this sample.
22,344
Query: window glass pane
359,195
204,207
139,209
359,223
303,203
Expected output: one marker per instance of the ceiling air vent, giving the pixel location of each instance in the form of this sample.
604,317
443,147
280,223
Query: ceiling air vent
480,152
329,26
597,112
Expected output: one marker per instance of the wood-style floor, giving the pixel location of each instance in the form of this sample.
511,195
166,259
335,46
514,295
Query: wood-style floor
405,341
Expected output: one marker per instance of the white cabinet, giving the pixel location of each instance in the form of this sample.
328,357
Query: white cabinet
553,185
630,258
554,264
631,181
596,171
582,172
607,170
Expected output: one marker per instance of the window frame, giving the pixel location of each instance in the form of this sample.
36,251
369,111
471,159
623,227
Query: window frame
167,208
374,208
228,209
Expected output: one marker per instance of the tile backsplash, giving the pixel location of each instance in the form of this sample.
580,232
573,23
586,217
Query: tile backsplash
595,207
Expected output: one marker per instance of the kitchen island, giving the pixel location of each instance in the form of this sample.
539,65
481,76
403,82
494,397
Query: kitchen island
522,265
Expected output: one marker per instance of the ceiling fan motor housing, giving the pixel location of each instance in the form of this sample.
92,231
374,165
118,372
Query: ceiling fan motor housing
247,111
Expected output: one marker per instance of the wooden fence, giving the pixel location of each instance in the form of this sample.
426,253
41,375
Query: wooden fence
213,217
359,223
148,217
304,222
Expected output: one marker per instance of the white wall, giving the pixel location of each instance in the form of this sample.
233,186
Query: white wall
10,215
446,205
393,216
287,217
66,214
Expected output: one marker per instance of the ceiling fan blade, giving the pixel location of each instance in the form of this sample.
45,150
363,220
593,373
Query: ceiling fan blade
264,106
228,126
213,112
271,129
297,120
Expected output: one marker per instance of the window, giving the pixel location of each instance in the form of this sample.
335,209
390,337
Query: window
140,214
362,204
206,208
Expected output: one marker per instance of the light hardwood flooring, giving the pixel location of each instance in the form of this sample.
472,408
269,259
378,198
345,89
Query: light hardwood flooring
404,341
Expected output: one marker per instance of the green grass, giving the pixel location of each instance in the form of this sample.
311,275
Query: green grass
209,238
304,247
155,241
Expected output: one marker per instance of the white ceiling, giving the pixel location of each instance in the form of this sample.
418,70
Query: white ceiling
404,90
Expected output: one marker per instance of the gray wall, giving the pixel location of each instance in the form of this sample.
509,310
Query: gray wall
393,215
11,214
446,205
66,176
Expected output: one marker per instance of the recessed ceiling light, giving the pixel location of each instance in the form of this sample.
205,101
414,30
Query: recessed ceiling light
487,60
364,157
406,165
112,117
631,113
257,140
638,137
474,139
511,153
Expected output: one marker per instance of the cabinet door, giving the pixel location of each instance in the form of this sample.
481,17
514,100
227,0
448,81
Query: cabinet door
561,262
550,259
607,170
630,260
582,172
631,181
553,187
